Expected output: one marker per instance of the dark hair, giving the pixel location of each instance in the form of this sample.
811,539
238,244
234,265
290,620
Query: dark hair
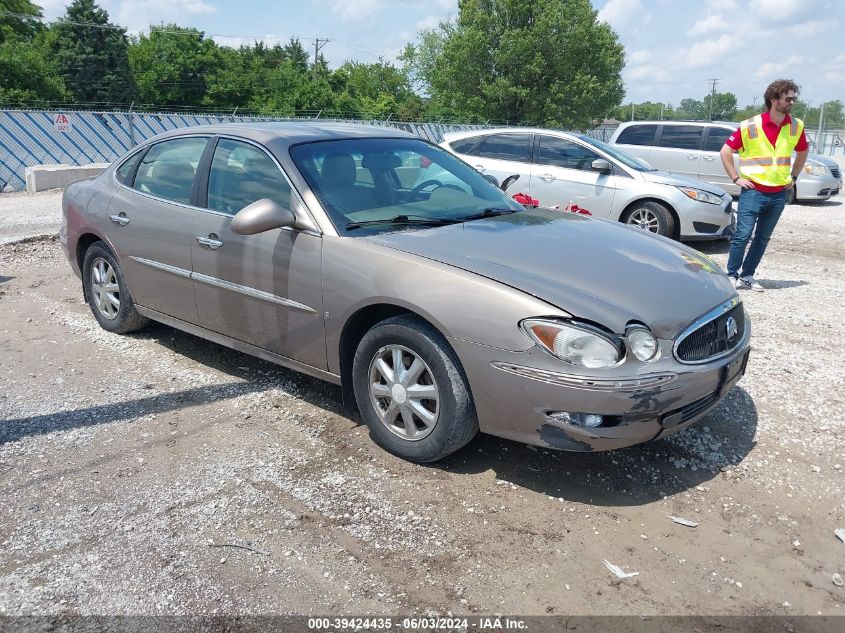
779,88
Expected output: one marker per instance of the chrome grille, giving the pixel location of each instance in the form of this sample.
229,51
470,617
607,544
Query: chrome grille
711,339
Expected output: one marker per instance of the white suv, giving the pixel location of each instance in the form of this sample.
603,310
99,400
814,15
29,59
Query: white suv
692,148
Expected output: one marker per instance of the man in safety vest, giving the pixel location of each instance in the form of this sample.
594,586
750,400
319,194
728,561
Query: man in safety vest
766,173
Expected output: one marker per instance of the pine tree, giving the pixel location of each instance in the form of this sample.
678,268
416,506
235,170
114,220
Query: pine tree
93,55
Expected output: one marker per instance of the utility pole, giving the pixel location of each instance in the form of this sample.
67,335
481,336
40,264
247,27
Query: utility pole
712,96
661,113
317,47
632,110
820,133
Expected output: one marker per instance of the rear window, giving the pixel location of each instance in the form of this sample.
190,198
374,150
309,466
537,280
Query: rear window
638,135
681,136
505,147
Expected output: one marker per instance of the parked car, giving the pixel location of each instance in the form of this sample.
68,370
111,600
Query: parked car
559,169
692,149
441,309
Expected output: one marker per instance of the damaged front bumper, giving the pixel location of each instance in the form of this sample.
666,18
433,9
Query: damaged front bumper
528,399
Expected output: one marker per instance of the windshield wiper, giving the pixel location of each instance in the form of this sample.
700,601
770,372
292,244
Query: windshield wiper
488,213
403,220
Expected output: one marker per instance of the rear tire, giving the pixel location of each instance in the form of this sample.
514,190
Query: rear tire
107,293
650,216
411,390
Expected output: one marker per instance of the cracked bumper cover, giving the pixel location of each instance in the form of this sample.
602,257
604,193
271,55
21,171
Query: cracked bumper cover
517,391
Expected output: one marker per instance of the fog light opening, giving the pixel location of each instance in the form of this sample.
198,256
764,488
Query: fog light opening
585,420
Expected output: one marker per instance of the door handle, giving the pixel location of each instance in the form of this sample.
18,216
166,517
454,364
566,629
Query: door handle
692,157
709,159
481,168
547,177
119,218
211,241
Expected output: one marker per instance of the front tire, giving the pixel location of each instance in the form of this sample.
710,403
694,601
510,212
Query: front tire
107,293
411,391
650,216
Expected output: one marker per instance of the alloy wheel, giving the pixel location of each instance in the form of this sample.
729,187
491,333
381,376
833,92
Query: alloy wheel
403,392
105,288
645,219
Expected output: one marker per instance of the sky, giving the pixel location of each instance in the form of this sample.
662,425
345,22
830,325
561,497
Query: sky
674,48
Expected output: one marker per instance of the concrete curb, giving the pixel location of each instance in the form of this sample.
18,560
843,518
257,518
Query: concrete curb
45,177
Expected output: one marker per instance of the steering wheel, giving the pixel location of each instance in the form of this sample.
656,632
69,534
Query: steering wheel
425,183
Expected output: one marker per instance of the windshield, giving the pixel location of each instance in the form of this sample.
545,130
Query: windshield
626,159
387,184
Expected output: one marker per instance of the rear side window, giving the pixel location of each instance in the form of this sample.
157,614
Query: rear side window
638,135
681,136
125,171
716,137
168,169
505,147
465,145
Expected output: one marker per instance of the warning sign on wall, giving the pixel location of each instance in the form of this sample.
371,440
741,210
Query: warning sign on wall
61,123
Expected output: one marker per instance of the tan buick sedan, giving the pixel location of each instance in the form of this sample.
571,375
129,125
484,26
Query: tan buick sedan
440,305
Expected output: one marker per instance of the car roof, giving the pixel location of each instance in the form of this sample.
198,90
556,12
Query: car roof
625,124
453,136
286,133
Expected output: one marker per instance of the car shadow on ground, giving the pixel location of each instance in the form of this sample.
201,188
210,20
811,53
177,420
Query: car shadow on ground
16,429
833,202
780,284
711,247
4,279
632,476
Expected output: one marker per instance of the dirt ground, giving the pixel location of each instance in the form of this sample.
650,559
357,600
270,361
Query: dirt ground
157,473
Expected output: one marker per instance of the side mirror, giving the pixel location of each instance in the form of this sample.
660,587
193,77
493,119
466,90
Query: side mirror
262,215
602,166
491,179
507,182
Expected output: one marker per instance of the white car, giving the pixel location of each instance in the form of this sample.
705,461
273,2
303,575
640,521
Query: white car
568,170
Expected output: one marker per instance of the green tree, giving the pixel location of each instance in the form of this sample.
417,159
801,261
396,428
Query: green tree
550,63
92,55
724,106
645,111
28,74
19,19
692,109
172,64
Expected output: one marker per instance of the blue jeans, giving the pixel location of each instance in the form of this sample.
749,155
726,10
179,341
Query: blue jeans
755,208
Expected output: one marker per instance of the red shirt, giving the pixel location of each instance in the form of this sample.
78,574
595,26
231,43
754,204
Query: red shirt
772,130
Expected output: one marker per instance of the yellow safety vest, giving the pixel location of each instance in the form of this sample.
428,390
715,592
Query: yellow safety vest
762,163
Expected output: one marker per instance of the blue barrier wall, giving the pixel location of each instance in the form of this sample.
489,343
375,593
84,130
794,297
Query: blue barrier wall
34,137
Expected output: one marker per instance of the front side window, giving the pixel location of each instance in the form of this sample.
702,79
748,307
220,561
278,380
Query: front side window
638,135
716,138
465,145
168,168
681,136
383,184
559,152
241,174
505,147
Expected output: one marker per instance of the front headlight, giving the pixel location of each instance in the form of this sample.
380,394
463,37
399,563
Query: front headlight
816,170
701,196
574,344
643,344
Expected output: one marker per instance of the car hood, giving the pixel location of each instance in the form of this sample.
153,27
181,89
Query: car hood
677,180
596,270
822,160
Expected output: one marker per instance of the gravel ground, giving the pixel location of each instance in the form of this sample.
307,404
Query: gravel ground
157,473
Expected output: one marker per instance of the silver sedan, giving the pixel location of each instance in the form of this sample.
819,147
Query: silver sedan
442,307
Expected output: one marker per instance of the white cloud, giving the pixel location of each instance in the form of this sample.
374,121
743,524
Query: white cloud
715,23
839,59
357,10
618,12
640,57
649,73
775,69
141,13
429,22
709,51
780,11
723,5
